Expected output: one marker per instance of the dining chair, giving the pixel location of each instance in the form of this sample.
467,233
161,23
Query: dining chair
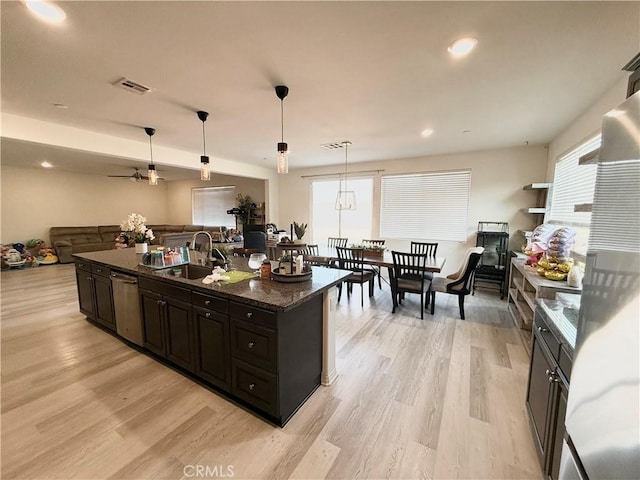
425,248
313,251
377,270
458,283
408,269
337,242
351,259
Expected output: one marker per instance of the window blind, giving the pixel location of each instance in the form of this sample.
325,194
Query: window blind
573,184
429,206
615,207
209,205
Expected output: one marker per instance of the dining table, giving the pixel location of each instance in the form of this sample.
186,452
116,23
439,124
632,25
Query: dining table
329,256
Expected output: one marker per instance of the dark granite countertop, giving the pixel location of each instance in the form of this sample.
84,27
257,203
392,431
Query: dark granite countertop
263,293
561,315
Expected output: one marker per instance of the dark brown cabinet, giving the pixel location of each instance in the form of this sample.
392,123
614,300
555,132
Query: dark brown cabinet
547,396
168,323
95,294
213,358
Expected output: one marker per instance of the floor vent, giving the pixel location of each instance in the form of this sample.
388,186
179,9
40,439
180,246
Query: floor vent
131,86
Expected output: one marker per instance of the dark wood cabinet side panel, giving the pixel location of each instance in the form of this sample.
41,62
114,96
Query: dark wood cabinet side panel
299,354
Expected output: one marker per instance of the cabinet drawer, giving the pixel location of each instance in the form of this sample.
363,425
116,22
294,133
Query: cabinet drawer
542,329
100,270
82,265
252,314
165,288
254,344
210,302
255,386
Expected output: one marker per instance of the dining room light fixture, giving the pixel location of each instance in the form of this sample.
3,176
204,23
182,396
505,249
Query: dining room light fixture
283,161
152,173
346,199
205,173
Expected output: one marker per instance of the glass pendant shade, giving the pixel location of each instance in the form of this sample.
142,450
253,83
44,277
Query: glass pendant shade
152,173
205,173
283,160
346,200
283,149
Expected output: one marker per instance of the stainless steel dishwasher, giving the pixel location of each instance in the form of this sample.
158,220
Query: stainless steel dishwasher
126,305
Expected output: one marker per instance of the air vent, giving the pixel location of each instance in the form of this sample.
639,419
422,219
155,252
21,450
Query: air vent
333,146
131,86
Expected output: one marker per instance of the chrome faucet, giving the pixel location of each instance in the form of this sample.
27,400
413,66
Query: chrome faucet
193,241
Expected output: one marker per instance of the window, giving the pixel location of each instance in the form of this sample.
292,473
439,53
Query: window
573,184
431,206
209,206
326,221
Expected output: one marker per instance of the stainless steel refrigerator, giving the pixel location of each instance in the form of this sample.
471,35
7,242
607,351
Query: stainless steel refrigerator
602,438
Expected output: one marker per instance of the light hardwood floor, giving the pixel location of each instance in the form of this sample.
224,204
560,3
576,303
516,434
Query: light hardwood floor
432,398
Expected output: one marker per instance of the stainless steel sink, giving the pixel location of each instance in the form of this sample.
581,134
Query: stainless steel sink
191,271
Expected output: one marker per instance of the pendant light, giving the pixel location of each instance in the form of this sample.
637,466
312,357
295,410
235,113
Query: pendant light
205,173
283,162
152,173
346,199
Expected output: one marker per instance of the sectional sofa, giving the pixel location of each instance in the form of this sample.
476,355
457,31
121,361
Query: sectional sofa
70,240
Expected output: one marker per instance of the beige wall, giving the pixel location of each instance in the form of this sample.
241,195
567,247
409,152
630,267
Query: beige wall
33,200
587,124
179,194
497,179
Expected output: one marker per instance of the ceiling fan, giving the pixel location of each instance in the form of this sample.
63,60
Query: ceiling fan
135,176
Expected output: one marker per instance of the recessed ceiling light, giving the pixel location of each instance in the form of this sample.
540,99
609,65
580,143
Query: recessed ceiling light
46,164
462,46
427,132
46,11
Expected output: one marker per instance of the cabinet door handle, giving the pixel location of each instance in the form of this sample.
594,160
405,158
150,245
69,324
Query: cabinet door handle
250,344
543,330
207,302
249,314
252,386
88,278
98,270
208,314
548,372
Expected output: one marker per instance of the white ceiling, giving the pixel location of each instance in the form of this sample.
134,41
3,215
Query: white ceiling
375,73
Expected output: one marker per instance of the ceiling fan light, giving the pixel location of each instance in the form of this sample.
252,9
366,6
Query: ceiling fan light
205,172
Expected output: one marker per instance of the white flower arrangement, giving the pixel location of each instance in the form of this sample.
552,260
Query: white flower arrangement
134,228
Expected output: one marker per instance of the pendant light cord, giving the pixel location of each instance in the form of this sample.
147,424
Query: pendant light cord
282,121
204,141
346,153
151,149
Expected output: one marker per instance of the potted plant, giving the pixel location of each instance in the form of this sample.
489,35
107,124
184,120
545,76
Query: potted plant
244,205
300,229
285,263
371,250
134,228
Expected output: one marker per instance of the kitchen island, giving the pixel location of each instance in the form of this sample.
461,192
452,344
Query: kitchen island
263,344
